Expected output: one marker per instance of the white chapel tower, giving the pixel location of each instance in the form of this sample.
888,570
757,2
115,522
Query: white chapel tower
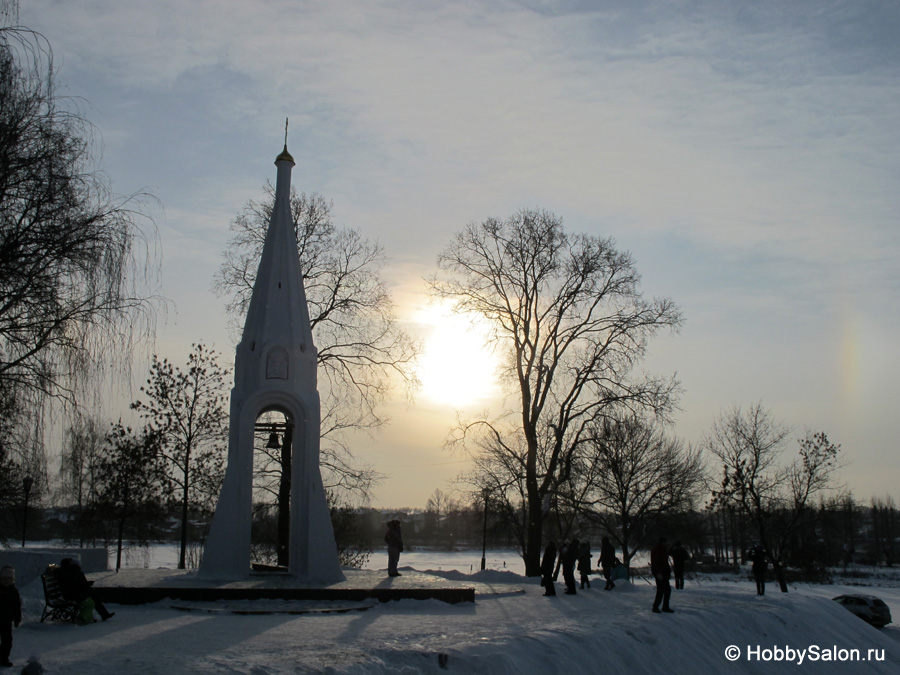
275,369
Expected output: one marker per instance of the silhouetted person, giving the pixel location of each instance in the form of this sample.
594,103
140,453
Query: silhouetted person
659,567
584,563
759,558
560,556
75,586
10,612
547,569
394,540
568,566
679,556
607,562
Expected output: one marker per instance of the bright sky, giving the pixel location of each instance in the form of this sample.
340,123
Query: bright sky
747,154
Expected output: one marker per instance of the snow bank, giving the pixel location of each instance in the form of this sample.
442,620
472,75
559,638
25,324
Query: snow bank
517,632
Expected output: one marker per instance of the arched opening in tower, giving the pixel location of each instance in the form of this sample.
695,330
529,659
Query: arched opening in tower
270,528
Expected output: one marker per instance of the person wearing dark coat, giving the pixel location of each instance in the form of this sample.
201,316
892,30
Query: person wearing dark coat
760,566
584,563
394,540
679,556
659,567
547,569
607,562
568,566
560,556
10,612
75,586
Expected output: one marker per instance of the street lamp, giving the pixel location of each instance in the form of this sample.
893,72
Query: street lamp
27,482
484,493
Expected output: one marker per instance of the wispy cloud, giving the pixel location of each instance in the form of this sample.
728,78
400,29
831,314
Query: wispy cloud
750,151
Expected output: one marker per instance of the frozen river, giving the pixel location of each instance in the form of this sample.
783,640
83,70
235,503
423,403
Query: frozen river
466,561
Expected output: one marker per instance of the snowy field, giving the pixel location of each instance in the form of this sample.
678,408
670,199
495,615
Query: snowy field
511,630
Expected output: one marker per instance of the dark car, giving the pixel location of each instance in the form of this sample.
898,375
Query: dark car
866,607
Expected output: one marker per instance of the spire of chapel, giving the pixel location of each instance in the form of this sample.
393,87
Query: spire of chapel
278,315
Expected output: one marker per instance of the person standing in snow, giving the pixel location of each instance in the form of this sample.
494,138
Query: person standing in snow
760,566
568,566
10,612
394,540
547,569
659,567
584,563
560,556
679,556
607,561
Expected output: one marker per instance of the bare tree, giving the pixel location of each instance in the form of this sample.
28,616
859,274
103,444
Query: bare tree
629,474
85,444
361,349
884,529
437,512
353,537
439,503
187,408
74,259
567,314
21,456
132,480
776,496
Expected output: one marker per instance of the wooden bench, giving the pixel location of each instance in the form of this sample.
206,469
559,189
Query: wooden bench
56,607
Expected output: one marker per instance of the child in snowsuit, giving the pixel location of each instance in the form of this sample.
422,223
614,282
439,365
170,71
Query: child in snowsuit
10,612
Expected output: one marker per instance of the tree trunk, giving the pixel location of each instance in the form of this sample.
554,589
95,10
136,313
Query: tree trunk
284,499
184,524
533,536
119,543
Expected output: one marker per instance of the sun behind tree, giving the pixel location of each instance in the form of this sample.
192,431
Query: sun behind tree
571,324
458,367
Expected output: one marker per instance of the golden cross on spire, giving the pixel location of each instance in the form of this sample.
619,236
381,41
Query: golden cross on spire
285,155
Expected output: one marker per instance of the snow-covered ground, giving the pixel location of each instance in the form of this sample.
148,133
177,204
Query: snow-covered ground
513,629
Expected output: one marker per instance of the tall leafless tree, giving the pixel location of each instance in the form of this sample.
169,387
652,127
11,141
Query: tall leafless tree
777,496
568,315
631,472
